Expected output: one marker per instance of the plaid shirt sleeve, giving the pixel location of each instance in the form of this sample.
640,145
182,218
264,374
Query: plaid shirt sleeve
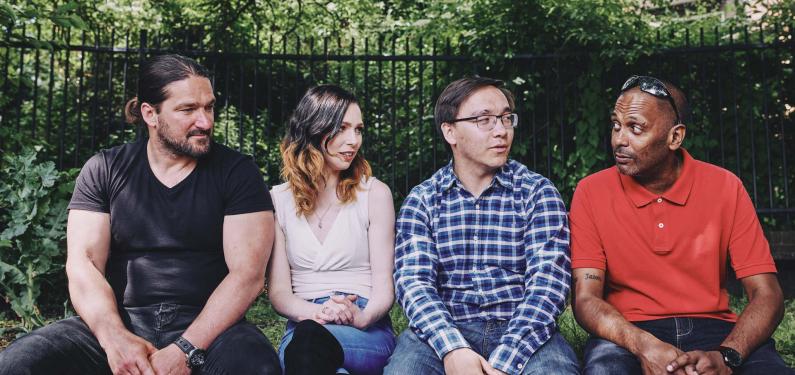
547,281
415,279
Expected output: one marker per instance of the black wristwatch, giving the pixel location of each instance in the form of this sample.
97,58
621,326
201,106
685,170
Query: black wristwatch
195,355
731,357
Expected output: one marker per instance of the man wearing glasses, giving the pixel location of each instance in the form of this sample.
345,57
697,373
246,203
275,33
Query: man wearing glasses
651,239
482,264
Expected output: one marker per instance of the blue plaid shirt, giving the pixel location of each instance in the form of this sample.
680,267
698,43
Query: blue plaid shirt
504,256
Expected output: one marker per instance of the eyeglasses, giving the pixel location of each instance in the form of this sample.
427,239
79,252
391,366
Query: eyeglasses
488,122
652,86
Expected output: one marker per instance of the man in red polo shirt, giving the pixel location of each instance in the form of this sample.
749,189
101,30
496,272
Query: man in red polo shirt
650,242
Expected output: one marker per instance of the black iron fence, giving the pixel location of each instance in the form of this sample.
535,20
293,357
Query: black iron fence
69,97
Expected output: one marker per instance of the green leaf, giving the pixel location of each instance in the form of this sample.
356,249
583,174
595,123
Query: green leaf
7,14
66,8
61,20
11,274
78,22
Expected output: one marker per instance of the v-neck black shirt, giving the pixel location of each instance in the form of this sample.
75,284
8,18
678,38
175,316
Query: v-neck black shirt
167,243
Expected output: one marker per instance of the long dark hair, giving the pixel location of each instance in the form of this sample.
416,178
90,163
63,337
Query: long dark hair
154,75
316,120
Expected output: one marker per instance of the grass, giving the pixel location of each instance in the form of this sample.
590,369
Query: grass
272,325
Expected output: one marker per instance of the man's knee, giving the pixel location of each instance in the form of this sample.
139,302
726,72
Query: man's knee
65,346
605,357
413,356
554,357
241,349
766,360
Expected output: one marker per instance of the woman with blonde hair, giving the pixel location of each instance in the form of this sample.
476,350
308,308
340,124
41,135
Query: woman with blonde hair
331,269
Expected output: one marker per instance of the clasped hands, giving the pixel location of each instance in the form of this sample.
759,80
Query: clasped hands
341,309
660,358
130,354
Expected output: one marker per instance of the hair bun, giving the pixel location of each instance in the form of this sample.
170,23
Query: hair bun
132,111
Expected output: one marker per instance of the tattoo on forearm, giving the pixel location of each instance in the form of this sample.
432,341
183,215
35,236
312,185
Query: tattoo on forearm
588,276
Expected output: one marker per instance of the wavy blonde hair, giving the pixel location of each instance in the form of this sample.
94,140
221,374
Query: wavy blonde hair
315,122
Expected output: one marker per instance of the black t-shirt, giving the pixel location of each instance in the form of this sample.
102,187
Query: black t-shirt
167,243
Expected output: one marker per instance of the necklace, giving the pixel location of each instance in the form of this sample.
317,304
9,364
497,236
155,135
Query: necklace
320,219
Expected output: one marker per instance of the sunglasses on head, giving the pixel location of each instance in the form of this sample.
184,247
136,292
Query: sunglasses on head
652,86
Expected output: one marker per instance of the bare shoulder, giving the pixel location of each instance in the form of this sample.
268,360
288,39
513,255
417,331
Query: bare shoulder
380,195
380,189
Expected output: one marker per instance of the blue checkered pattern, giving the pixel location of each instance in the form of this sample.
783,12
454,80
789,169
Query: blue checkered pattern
503,255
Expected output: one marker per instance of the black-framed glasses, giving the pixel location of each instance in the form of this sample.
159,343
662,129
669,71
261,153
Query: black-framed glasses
488,122
652,86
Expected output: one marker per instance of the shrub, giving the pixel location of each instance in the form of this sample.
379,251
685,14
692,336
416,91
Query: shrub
33,200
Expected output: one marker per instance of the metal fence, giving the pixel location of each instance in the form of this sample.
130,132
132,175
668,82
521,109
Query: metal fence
740,82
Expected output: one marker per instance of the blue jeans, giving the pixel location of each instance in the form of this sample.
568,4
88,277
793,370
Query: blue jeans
366,351
605,357
415,356
69,347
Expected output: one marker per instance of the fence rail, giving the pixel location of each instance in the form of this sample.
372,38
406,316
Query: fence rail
70,96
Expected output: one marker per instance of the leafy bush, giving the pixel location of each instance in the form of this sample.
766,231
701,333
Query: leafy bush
33,200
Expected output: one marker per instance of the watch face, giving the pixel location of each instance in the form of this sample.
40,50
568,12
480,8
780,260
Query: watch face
196,359
732,357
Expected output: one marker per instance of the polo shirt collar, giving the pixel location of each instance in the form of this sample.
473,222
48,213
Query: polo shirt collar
448,178
678,193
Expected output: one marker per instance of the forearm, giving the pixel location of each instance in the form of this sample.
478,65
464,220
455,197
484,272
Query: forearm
756,324
291,306
546,285
429,317
381,299
226,305
93,299
601,319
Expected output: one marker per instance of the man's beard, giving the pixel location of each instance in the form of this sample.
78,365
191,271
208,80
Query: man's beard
183,147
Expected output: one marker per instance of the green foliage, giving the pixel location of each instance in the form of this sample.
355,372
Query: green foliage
33,12
33,199
262,314
785,334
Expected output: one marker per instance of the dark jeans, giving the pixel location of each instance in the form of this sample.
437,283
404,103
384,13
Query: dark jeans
69,347
687,334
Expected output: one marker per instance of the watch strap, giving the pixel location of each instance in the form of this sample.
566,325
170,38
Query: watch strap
184,345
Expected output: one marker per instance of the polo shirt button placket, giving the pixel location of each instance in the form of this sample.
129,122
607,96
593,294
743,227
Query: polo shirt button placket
660,225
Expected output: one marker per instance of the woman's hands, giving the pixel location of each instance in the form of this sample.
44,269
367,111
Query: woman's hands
341,309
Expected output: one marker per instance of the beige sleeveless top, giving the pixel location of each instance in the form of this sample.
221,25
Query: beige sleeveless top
342,262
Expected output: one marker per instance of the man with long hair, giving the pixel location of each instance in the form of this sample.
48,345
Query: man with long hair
167,243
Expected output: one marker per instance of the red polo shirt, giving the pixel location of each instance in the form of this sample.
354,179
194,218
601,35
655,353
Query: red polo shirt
666,255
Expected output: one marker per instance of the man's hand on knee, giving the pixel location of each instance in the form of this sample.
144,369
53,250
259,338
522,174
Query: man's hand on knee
487,369
700,363
129,354
465,361
170,360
